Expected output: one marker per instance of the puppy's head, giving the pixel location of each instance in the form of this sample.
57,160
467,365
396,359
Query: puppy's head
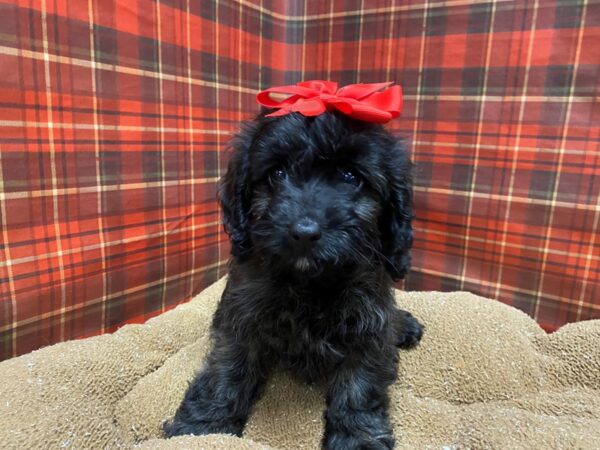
309,193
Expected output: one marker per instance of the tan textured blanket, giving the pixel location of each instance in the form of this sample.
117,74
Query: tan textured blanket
484,376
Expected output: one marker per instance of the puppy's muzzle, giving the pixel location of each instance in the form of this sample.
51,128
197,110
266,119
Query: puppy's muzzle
304,233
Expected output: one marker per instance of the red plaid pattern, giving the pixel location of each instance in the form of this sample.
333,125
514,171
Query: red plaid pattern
115,115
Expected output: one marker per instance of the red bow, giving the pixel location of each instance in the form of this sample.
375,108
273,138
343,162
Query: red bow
369,102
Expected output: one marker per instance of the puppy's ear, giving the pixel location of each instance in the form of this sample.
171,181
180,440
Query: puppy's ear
396,223
234,191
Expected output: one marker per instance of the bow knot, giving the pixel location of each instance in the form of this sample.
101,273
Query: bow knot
372,102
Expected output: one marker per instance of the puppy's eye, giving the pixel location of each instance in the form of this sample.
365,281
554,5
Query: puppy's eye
351,177
277,174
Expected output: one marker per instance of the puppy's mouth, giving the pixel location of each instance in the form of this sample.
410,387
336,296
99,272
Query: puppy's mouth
303,264
309,266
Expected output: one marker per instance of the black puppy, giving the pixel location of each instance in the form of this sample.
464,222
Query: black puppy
319,214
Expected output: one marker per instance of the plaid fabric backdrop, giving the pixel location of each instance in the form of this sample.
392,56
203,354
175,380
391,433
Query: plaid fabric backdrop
114,116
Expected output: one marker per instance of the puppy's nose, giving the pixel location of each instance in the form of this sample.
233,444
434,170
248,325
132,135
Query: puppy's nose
305,231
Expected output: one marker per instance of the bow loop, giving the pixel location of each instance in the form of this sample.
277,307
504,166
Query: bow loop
372,102
360,91
327,87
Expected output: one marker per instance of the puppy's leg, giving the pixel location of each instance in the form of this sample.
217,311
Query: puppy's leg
357,399
408,329
219,399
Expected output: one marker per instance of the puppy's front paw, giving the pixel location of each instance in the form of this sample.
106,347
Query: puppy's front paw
362,441
409,331
177,427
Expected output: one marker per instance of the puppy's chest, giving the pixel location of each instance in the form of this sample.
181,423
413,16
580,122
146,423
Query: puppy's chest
304,338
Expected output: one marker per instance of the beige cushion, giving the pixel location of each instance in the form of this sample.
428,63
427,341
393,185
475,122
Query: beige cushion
485,375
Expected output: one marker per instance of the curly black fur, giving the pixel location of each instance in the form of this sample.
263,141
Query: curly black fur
319,214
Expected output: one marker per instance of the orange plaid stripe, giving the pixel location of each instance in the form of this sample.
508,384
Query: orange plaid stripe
111,142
